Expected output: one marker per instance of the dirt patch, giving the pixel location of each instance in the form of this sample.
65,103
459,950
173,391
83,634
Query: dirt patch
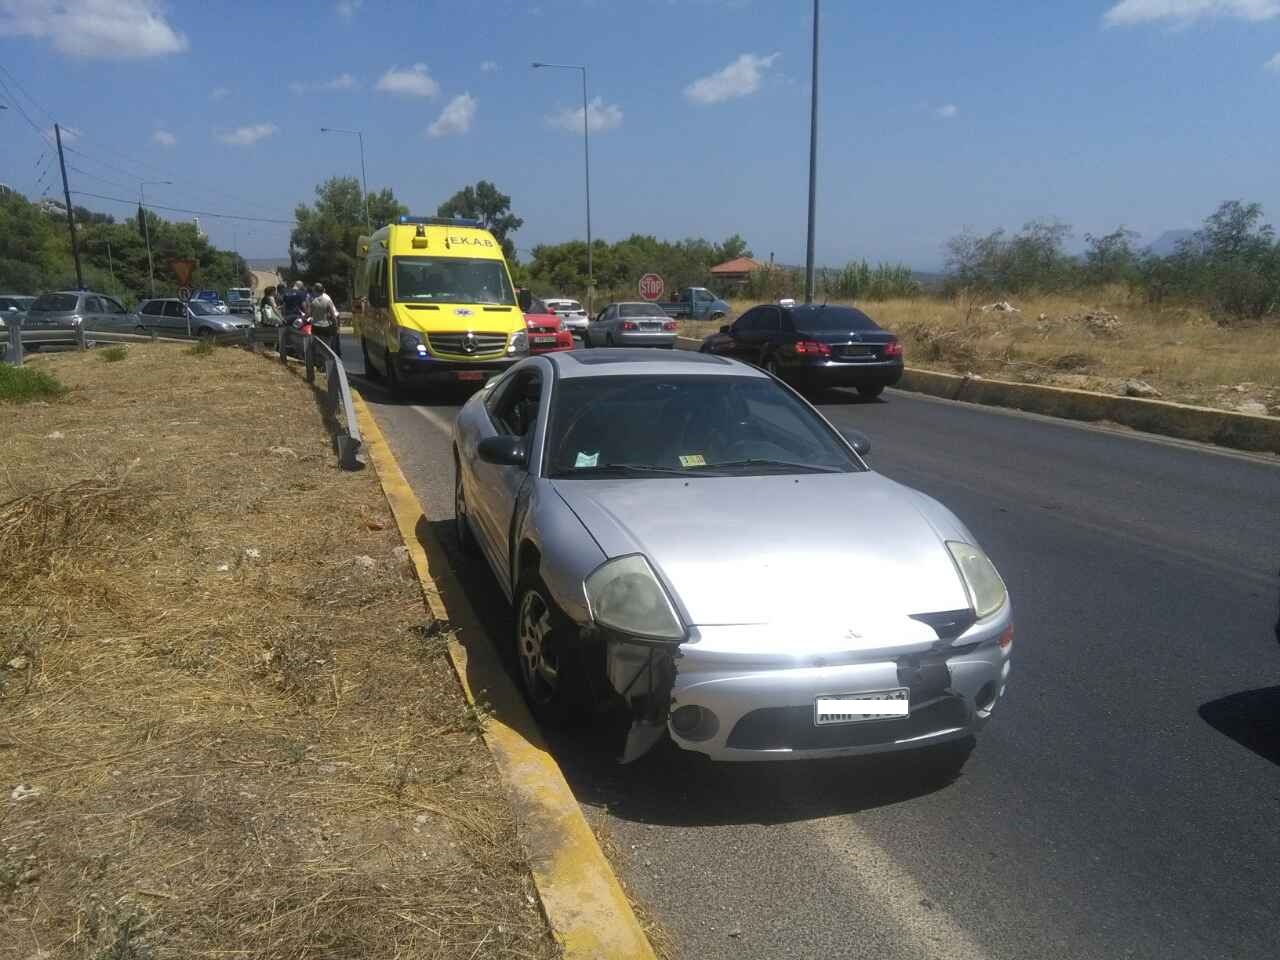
226,728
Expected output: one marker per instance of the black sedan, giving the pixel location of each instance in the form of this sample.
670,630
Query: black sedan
813,346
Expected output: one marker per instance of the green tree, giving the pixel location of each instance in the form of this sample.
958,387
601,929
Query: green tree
1111,257
322,247
486,203
731,248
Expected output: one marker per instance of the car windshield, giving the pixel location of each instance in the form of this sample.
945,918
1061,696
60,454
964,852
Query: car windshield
640,310
452,280
654,426
202,309
240,294
831,319
55,302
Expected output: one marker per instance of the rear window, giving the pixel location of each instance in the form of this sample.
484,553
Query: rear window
831,319
640,310
566,305
56,302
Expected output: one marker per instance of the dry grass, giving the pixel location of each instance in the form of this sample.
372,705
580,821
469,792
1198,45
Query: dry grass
1178,350
225,728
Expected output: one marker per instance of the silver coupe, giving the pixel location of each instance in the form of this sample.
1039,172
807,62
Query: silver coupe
685,536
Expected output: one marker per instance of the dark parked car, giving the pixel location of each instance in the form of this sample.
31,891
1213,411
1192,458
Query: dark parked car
813,346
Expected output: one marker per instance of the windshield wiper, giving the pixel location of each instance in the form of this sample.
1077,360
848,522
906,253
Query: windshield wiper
624,468
764,462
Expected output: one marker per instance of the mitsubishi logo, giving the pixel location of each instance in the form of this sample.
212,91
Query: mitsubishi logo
470,344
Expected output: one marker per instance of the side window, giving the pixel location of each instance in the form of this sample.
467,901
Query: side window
173,308
110,306
747,322
92,305
378,282
515,412
704,297
769,321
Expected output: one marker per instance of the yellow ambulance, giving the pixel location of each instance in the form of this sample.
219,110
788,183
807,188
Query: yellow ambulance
434,304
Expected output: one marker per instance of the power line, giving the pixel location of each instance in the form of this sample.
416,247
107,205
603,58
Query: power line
198,213
94,176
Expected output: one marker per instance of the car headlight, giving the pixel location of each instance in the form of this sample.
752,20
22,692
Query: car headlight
986,590
411,342
519,342
625,595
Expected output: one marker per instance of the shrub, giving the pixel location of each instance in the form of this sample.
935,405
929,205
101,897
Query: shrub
113,354
23,384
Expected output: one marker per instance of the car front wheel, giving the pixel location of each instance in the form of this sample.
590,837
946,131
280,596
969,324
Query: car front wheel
466,539
537,651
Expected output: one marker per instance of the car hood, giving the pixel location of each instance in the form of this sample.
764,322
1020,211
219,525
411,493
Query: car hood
856,549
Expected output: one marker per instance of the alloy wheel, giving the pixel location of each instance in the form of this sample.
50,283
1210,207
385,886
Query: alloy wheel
539,666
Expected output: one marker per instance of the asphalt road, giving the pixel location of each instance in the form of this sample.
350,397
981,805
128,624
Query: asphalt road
1123,802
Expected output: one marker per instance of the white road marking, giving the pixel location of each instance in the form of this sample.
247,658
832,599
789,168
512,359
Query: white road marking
920,927
433,418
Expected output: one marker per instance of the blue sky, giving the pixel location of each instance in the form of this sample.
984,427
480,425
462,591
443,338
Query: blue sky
934,117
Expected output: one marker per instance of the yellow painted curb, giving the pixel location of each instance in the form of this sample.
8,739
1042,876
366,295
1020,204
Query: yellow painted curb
588,912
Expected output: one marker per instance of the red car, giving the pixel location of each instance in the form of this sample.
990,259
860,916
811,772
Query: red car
547,332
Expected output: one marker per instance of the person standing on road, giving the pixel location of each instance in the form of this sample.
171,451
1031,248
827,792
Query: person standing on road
324,318
295,304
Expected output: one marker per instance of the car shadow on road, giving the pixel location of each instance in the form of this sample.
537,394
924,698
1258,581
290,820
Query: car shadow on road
843,398
669,785
1251,718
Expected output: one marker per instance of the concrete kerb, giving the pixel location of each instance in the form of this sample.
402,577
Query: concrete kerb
583,901
1226,428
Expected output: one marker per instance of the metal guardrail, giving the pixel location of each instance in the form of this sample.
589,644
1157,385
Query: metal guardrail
313,352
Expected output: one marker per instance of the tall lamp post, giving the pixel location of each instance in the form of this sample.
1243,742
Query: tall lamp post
813,161
586,155
146,227
364,182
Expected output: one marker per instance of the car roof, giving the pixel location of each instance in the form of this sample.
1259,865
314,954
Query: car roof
622,361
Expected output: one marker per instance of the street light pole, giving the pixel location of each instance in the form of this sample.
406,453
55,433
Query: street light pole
586,156
364,180
813,161
146,226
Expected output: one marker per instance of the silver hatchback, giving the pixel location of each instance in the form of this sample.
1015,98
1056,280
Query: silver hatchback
58,317
686,537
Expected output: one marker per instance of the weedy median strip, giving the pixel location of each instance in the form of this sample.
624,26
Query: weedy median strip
225,725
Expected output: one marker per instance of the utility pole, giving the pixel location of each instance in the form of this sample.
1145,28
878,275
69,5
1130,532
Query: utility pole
111,267
71,217
146,226
813,161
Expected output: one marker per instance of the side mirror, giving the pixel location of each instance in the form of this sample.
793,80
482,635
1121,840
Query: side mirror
504,451
860,442
525,299
725,328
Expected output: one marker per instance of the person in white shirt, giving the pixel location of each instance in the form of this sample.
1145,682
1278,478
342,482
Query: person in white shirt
324,318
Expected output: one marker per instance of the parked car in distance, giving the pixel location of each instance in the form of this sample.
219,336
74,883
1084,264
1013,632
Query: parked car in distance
631,324
67,311
547,332
169,315
813,346
240,300
211,297
696,303
571,312
649,515
13,305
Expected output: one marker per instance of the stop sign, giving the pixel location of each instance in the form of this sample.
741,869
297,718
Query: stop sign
651,286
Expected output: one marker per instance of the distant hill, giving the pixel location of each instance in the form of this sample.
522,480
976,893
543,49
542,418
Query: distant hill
268,265
1169,242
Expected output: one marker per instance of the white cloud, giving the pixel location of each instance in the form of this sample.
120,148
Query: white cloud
412,82
1273,64
489,66
347,8
94,29
738,79
601,116
1126,13
456,117
164,138
947,110
343,81
246,136
219,93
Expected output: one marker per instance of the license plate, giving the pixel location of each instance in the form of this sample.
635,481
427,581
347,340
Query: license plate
857,351
544,340
470,375
855,707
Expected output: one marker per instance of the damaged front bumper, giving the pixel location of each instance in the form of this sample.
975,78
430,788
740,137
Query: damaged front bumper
720,694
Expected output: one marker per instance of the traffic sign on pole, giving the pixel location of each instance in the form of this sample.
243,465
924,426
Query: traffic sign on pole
184,294
182,269
651,286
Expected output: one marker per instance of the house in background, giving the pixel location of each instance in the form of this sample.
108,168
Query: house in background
734,273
